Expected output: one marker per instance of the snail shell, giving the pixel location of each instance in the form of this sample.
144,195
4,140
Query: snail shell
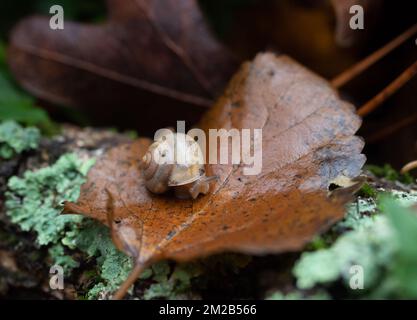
176,163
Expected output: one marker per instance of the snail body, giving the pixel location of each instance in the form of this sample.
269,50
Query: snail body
176,163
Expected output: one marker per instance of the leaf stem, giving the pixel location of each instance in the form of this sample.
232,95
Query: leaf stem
388,91
409,166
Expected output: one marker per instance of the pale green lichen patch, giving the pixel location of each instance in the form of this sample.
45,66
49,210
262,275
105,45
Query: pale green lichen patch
405,199
400,281
177,281
359,213
14,139
370,246
34,202
384,247
114,266
298,295
62,258
170,284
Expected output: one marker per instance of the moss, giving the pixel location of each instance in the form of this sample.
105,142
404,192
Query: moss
389,173
15,139
367,191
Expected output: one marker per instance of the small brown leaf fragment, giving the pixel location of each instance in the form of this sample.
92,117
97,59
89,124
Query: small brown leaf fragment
308,141
151,57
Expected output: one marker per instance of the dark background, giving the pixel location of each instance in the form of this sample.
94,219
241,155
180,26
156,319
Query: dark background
303,29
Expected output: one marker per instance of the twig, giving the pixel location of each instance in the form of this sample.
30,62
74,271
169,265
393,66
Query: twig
388,91
364,64
409,166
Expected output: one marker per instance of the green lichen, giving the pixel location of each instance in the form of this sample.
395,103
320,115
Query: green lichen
400,281
299,295
383,246
368,246
171,282
15,139
178,281
359,213
405,199
34,202
60,257
113,266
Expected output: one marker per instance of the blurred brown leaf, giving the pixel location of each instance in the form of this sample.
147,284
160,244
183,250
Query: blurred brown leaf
308,141
303,29
152,62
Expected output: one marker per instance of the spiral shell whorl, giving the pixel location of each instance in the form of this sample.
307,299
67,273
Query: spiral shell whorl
148,165
156,175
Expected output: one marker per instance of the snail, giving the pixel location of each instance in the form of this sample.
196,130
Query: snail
175,162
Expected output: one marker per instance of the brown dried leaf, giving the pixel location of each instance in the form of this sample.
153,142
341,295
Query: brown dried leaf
151,57
308,141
